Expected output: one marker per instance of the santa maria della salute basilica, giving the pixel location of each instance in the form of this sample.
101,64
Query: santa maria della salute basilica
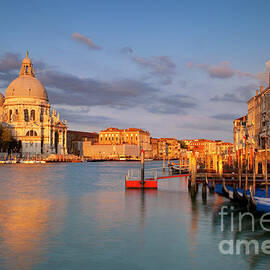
25,109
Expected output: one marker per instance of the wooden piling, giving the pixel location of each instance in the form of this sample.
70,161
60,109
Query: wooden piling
254,171
193,169
163,162
180,160
204,191
266,169
142,169
220,166
240,174
246,182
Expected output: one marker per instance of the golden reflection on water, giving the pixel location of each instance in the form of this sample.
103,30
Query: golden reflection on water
24,224
27,217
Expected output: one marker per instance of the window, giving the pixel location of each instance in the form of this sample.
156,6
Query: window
32,116
10,115
64,137
31,133
26,116
51,137
41,114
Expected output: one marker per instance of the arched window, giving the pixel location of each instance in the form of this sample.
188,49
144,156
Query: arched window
41,114
10,115
31,133
64,137
32,116
26,116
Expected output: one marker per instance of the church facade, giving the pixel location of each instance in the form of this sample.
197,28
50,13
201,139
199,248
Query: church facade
26,110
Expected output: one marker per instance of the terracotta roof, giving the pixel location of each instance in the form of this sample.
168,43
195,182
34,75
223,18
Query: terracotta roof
83,133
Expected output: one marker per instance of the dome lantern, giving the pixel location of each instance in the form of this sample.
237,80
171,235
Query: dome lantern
27,67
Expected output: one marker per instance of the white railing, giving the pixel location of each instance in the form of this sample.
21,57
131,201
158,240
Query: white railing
135,174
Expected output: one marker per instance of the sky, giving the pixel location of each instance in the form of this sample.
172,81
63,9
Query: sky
182,69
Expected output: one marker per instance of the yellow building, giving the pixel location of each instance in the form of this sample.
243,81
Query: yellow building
132,136
25,109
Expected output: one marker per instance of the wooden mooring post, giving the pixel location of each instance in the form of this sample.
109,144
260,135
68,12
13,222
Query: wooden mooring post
142,169
266,169
254,171
163,162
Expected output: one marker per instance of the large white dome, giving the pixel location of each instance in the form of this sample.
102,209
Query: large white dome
26,86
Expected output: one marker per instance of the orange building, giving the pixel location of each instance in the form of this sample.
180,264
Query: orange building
199,145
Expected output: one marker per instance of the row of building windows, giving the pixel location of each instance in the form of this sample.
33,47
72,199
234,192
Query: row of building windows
116,139
116,135
26,115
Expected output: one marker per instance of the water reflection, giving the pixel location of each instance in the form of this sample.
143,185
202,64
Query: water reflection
24,226
79,215
28,217
136,202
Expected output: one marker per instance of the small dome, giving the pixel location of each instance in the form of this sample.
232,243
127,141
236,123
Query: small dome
26,86
2,99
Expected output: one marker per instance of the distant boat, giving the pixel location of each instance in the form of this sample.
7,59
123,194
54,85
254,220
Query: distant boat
32,161
176,169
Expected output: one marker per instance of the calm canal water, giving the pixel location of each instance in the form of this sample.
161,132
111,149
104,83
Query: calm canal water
79,216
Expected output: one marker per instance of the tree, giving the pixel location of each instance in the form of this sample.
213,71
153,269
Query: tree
7,142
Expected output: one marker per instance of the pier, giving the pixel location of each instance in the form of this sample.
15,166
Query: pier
245,169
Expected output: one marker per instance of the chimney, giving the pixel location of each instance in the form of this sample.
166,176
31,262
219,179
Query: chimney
261,89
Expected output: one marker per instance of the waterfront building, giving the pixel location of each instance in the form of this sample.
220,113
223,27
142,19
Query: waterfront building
200,146
240,133
75,140
265,119
130,136
110,151
25,109
258,119
254,119
168,147
174,147
154,148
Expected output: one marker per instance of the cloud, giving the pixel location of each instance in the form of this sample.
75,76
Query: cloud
173,104
160,66
222,71
225,116
80,115
239,95
126,50
69,89
9,62
207,126
86,41
9,67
